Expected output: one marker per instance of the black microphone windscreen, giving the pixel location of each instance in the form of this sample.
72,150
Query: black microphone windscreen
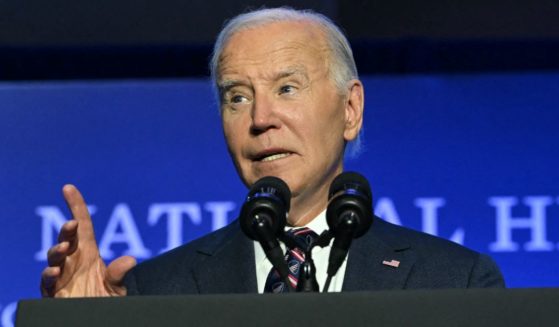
275,186
352,180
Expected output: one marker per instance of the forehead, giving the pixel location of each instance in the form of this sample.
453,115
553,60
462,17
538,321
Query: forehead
265,47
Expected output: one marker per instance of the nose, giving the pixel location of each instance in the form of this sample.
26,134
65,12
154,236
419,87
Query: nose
264,115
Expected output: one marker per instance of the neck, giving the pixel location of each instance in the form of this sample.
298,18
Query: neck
301,215
308,205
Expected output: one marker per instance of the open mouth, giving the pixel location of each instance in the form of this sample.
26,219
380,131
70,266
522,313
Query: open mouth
275,157
267,157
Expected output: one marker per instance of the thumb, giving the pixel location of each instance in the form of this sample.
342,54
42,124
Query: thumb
118,269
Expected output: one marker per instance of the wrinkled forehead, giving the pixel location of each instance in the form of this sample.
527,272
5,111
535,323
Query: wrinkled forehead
272,42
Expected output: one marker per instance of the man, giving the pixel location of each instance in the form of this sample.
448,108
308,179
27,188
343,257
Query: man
290,103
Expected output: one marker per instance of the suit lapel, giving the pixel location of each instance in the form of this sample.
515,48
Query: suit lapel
228,265
373,259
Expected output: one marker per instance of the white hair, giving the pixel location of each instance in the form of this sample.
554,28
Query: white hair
342,68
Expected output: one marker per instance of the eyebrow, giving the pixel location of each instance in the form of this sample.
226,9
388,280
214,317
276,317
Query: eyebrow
290,71
228,84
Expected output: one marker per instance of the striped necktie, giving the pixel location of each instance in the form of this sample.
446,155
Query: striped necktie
294,257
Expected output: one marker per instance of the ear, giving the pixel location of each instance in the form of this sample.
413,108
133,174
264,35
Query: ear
354,107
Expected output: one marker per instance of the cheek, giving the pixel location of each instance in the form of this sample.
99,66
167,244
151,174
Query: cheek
331,122
331,134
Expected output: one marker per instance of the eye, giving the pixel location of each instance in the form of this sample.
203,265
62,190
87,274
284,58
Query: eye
238,99
287,89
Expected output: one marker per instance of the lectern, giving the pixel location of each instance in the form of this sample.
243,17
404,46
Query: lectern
482,307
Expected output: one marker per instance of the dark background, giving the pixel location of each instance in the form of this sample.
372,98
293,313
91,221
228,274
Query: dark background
65,39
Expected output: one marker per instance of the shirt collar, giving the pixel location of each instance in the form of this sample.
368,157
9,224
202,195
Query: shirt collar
317,225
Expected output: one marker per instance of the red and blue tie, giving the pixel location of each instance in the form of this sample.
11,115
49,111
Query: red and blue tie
294,257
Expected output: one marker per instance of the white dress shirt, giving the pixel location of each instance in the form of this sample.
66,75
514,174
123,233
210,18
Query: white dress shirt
319,255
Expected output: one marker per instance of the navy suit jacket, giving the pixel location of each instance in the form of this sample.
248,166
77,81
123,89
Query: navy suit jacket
223,262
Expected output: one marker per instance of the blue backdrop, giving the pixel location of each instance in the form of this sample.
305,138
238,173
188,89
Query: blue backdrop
472,158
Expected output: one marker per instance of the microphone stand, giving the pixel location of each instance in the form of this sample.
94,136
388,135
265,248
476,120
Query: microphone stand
307,282
323,240
307,276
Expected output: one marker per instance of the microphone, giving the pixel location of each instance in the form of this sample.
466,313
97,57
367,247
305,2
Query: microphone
349,215
264,216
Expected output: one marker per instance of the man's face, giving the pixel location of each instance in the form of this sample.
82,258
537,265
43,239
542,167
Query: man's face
282,115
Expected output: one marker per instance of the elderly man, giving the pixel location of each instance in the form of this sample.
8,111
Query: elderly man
290,104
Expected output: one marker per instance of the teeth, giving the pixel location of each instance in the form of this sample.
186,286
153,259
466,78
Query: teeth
275,156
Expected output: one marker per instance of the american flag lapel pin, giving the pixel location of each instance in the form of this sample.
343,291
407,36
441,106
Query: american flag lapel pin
391,263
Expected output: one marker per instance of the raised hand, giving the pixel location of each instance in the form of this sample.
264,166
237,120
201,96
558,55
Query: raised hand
75,268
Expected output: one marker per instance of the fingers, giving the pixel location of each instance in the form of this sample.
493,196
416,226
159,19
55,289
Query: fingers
68,231
118,269
75,267
78,208
49,277
67,245
56,257
57,254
